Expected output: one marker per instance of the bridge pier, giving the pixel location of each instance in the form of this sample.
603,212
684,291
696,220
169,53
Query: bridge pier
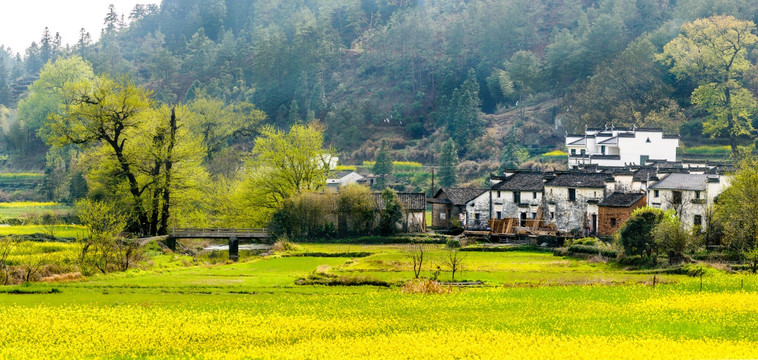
171,243
234,249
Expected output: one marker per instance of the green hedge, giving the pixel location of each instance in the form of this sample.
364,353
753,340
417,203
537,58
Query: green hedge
588,249
380,240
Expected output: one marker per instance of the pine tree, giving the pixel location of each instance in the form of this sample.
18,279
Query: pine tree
383,166
448,164
111,19
463,121
513,153
5,90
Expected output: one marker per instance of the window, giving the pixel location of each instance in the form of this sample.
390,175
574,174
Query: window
657,193
498,194
499,215
698,220
613,222
534,215
697,194
648,141
602,149
534,195
573,152
572,194
676,197
476,216
517,197
552,215
584,152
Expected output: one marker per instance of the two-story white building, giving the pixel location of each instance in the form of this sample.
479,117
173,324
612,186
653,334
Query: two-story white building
690,195
620,147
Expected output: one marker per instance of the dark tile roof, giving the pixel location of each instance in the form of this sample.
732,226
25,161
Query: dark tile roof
458,196
643,174
410,201
579,180
619,199
677,181
522,181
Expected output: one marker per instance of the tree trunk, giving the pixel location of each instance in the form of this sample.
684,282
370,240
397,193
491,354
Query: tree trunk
169,163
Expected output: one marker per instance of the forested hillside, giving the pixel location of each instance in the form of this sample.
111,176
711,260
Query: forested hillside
412,72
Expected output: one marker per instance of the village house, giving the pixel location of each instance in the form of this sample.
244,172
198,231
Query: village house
572,200
449,207
518,195
617,208
620,147
338,179
691,196
414,211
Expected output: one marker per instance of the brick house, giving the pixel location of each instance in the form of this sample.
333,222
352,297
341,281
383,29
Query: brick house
617,208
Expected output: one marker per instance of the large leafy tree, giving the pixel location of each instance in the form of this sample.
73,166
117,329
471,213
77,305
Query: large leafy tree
135,152
281,165
714,53
737,207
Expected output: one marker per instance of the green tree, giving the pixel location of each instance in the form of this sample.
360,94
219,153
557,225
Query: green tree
737,207
464,122
637,232
281,165
513,154
392,212
670,237
382,166
523,68
48,96
448,164
5,90
714,53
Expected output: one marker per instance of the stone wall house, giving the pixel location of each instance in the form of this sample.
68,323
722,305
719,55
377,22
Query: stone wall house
691,196
617,208
414,211
518,196
449,206
572,200
477,212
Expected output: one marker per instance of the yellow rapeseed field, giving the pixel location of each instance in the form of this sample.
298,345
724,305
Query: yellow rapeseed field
302,330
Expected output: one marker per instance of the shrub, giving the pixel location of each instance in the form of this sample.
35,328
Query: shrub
425,286
283,245
453,244
593,250
637,232
320,278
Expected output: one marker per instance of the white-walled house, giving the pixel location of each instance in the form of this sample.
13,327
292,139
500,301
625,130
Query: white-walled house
620,147
690,195
573,199
518,195
338,179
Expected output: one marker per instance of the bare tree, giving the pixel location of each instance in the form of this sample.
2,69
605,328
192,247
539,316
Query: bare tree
454,261
417,257
32,264
6,247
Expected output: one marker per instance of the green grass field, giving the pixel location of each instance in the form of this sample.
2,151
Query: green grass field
533,305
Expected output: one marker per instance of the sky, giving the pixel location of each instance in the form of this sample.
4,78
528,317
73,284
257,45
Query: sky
23,21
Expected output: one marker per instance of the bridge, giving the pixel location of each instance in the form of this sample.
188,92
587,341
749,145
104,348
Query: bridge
218,233
233,235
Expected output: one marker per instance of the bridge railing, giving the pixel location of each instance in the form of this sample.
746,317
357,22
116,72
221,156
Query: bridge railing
217,231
